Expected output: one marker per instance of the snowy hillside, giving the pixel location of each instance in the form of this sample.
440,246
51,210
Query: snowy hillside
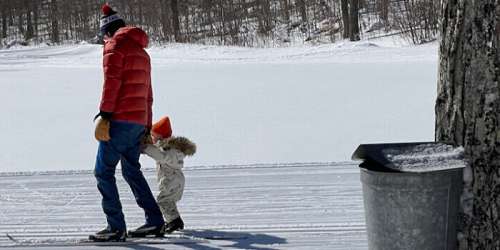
240,105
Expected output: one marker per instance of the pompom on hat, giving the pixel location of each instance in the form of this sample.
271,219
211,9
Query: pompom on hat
162,127
110,21
106,10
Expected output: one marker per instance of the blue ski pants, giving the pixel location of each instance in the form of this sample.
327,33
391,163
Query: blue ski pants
124,146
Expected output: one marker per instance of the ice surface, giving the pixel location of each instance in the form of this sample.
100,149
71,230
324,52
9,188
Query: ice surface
243,107
240,105
290,206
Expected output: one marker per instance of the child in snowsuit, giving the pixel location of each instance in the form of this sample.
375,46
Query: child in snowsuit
169,152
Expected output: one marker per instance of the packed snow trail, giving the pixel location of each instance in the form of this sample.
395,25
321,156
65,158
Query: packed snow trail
276,206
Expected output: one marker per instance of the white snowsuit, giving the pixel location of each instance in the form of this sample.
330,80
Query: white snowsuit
169,162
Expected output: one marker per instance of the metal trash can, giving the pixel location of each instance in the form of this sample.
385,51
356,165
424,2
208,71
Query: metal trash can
411,194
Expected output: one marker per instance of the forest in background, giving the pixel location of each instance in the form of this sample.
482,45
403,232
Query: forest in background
252,23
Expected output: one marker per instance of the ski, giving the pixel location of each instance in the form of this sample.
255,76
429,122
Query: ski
211,235
206,234
87,242
177,237
146,241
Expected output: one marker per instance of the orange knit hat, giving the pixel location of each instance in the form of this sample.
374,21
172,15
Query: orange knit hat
162,127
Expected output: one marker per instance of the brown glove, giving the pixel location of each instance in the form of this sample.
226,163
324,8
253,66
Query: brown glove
102,130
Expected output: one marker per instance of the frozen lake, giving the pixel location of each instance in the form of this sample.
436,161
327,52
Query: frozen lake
240,105
294,206
275,129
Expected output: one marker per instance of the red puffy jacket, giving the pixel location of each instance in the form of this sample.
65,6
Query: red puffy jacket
127,91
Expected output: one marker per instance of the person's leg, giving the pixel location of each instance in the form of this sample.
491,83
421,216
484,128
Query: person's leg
131,170
171,188
106,161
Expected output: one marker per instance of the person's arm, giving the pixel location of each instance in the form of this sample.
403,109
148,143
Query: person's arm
150,105
163,157
113,69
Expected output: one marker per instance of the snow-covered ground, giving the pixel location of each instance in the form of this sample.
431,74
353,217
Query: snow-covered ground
294,206
240,105
243,107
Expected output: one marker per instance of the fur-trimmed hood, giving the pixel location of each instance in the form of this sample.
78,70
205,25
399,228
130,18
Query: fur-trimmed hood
180,143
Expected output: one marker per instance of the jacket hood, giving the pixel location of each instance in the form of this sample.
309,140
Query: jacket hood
180,143
133,33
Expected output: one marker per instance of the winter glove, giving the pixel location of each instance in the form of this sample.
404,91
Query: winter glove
102,130
146,139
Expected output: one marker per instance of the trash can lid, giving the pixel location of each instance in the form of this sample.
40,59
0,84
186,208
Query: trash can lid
410,157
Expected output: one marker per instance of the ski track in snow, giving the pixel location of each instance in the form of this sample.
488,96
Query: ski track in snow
290,206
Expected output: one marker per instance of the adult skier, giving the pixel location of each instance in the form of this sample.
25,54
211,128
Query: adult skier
123,121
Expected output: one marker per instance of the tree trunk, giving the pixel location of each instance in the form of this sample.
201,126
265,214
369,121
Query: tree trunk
222,18
36,9
85,21
4,19
174,5
384,10
354,26
165,20
344,5
29,23
54,22
187,24
468,113
266,12
264,16
286,11
236,14
303,10
20,24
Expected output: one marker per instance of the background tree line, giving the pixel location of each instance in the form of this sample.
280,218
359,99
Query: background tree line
223,22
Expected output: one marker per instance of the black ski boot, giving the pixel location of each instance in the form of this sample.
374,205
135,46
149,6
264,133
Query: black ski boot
174,225
147,230
107,235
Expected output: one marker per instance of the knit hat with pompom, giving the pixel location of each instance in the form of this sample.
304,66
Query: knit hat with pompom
110,21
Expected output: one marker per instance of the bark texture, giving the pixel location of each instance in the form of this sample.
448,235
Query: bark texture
303,10
468,112
354,25
4,6
54,21
174,5
345,18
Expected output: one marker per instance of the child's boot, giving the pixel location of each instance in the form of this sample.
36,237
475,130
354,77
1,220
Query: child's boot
108,235
174,225
147,230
